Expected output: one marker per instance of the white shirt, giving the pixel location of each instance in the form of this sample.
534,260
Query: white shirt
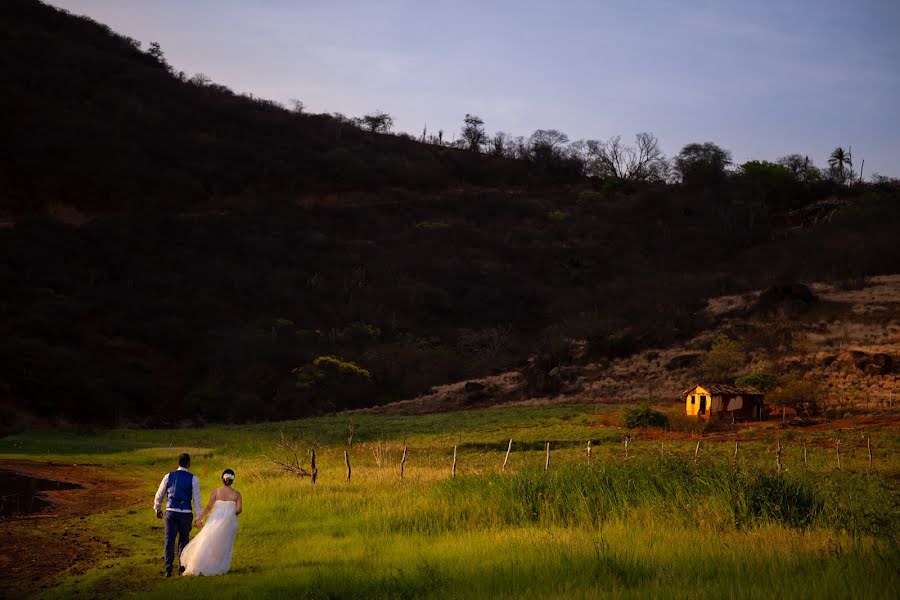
163,487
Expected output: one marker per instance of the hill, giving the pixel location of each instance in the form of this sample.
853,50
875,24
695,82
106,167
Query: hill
92,121
177,253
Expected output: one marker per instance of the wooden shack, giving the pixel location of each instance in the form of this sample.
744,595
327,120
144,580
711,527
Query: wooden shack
723,401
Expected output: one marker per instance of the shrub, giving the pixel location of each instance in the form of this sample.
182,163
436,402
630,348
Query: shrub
644,417
316,374
557,215
799,394
589,196
720,362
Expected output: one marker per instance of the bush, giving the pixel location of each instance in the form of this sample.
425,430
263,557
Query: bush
800,394
720,362
644,417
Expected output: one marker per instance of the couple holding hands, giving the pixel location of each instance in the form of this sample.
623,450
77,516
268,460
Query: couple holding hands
209,553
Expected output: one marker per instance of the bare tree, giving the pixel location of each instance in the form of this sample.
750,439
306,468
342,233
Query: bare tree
500,144
473,132
644,161
296,105
548,142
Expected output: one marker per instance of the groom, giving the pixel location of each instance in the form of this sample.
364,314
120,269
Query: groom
182,489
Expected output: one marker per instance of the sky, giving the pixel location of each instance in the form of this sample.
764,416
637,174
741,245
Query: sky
762,78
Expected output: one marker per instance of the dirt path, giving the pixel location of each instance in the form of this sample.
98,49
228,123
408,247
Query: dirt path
36,549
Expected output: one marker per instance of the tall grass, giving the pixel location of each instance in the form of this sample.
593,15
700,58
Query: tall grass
572,495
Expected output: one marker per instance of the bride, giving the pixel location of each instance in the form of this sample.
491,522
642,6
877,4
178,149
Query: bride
209,553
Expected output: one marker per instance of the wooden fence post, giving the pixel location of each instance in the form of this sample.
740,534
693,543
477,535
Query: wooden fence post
837,446
347,463
506,458
589,448
453,471
735,452
627,439
869,448
778,457
403,461
805,462
696,452
547,459
313,469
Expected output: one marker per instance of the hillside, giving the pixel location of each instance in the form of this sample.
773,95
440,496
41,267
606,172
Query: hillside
93,122
175,253
846,341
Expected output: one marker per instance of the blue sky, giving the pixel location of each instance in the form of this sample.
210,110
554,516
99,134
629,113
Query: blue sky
761,78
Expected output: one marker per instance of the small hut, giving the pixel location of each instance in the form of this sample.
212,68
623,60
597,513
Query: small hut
718,400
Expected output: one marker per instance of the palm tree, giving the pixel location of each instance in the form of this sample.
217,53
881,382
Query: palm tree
838,160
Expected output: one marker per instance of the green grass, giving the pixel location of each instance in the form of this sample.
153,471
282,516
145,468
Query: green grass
654,524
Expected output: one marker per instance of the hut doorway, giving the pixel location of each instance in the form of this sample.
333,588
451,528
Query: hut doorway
702,405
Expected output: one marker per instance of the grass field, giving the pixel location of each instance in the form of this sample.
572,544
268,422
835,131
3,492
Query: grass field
654,524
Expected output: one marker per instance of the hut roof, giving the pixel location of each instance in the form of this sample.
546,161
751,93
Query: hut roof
724,389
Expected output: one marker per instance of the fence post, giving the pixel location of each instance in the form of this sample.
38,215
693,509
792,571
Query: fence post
403,461
547,459
313,469
837,446
627,439
735,452
696,452
805,462
589,448
778,457
506,458
869,448
453,471
347,463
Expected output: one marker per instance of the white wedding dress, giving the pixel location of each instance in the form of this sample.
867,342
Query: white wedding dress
209,553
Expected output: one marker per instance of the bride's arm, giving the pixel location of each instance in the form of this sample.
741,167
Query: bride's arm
239,504
209,505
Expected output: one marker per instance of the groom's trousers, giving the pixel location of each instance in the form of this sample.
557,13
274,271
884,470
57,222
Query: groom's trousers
177,524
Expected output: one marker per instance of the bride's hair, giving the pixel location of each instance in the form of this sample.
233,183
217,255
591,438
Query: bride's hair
227,476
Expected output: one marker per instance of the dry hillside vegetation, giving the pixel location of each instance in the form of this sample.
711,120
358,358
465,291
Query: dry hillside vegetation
846,339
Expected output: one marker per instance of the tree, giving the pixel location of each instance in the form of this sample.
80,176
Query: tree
702,163
801,168
473,133
378,122
840,164
722,360
297,106
200,80
644,161
500,144
155,51
546,144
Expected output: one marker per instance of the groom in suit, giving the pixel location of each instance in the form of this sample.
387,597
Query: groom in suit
182,489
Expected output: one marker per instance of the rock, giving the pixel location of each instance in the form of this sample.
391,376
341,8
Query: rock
870,364
473,386
791,298
683,361
885,362
828,360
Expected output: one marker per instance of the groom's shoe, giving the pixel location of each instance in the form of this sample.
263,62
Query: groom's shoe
168,573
